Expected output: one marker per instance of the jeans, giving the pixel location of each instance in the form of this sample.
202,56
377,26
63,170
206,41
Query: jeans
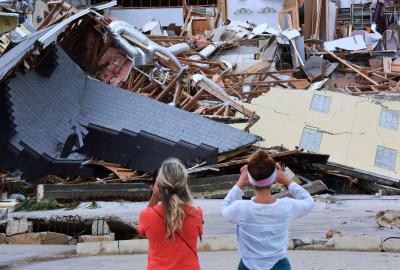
283,264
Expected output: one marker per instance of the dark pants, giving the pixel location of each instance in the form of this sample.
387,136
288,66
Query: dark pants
283,264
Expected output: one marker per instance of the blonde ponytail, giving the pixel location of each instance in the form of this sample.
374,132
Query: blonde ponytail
172,177
175,215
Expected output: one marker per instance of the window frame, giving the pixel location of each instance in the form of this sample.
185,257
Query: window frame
315,108
383,122
310,131
389,167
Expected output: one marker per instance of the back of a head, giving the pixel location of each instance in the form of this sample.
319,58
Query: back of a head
172,177
173,174
261,165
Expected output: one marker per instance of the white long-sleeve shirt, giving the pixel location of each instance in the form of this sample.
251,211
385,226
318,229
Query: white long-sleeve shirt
262,229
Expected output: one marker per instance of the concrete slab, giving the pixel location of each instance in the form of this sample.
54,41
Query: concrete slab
358,243
349,214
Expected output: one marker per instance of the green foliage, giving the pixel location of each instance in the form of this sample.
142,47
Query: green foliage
94,205
30,205
34,205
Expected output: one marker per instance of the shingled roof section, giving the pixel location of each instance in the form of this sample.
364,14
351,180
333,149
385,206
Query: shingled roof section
62,117
11,58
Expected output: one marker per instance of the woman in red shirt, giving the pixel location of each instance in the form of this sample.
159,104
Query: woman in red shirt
174,225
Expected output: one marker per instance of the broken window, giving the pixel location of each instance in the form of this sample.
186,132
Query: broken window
389,119
320,103
385,158
311,140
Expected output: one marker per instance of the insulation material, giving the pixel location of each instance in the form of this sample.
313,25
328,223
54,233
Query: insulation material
116,67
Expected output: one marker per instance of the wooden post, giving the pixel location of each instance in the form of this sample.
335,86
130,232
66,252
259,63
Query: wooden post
222,9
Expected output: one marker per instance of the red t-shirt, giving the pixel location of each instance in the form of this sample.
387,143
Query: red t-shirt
166,254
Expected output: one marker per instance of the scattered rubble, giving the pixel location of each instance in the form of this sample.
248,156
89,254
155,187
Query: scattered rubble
18,226
389,219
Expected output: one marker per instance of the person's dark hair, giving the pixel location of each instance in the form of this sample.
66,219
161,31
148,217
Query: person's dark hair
261,165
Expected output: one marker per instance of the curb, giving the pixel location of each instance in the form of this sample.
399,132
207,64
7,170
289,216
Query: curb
140,246
366,243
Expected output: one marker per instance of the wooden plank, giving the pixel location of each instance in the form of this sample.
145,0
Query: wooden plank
168,88
178,92
294,15
370,177
150,87
309,17
272,82
276,72
277,79
234,91
139,83
300,85
222,9
193,100
344,62
225,98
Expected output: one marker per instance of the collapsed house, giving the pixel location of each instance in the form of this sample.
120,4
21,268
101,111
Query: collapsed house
359,131
57,118
214,62
93,99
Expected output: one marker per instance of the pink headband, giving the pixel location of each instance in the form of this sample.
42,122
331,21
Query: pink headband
263,183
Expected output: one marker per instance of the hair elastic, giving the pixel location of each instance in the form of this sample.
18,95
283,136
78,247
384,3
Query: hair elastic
264,182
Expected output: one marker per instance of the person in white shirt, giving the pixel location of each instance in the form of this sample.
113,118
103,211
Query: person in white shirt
263,222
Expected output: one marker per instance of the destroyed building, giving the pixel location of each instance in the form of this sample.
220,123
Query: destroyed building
362,132
58,118
144,88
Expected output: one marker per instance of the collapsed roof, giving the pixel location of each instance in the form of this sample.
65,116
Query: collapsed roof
55,118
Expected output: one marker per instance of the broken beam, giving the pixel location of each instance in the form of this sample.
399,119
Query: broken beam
89,192
347,64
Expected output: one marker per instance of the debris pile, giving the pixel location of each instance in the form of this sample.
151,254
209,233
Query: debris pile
389,219
94,112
